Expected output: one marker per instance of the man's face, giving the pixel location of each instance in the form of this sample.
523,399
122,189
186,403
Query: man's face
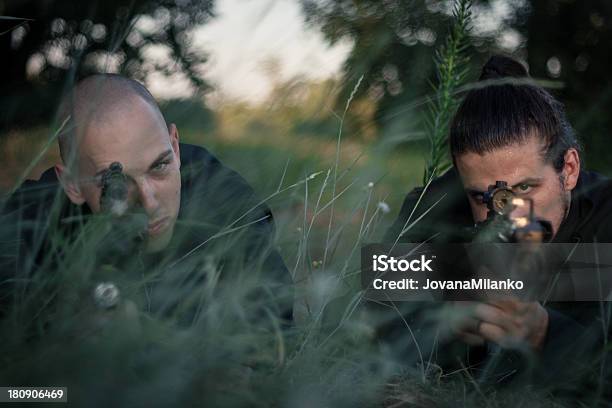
138,139
526,172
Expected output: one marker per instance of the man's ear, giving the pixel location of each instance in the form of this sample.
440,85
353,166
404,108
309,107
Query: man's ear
571,169
70,186
174,141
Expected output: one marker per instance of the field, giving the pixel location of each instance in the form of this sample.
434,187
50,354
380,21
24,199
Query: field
328,359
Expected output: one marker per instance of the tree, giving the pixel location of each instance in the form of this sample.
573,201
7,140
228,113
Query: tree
394,42
575,50
388,38
46,45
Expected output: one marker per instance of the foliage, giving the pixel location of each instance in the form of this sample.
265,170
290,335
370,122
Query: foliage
388,37
452,70
57,41
563,40
573,48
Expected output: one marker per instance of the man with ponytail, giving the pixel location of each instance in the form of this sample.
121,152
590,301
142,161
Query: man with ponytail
511,129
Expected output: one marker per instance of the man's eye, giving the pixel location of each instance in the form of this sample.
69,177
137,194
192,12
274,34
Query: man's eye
523,188
161,166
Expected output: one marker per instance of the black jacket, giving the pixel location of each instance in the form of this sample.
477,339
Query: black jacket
219,214
443,215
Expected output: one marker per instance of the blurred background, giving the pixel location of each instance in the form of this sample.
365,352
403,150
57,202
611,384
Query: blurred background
253,79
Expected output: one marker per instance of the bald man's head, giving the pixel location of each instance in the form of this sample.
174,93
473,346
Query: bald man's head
115,119
93,102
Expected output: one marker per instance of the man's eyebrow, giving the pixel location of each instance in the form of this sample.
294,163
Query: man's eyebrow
160,158
473,191
529,180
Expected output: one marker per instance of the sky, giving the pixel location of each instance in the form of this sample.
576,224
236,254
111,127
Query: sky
245,37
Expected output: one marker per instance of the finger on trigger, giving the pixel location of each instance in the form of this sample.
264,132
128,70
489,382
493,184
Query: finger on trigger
492,332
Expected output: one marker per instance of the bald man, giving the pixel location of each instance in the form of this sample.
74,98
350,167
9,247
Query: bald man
190,201
115,119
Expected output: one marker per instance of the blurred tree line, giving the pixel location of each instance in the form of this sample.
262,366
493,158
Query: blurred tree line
565,40
46,45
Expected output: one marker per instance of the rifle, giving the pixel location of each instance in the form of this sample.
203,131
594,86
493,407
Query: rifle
500,226
123,232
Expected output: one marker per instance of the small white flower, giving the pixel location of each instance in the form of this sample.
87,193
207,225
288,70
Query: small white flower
313,175
384,207
370,184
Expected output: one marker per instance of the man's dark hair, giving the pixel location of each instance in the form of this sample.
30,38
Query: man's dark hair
509,108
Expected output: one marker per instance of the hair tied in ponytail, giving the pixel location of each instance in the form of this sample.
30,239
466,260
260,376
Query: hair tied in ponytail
499,66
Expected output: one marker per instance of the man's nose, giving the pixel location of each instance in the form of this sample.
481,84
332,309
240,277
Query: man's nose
144,195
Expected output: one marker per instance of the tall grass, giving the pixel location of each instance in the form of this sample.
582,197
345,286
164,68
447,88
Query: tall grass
452,64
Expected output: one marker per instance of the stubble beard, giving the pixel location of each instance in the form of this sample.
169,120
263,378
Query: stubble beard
565,197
